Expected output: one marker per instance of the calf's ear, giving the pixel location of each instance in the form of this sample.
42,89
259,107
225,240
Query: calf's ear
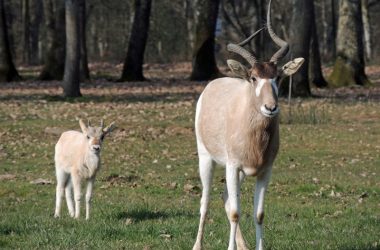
83,126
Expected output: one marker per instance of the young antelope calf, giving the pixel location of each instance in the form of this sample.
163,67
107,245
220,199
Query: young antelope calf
77,157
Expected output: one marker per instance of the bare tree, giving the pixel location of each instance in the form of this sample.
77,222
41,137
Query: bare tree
190,16
367,29
329,15
84,71
316,75
26,57
53,68
71,78
133,64
300,33
349,64
36,20
8,71
242,19
204,64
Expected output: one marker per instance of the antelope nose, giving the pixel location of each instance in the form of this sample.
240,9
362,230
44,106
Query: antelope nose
271,108
96,147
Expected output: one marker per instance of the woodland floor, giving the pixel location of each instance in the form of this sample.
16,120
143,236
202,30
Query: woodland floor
324,193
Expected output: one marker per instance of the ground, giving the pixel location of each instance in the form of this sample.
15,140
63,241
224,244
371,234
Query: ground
324,193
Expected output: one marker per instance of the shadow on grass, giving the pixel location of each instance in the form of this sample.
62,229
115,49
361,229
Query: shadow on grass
360,248
149,91
124,98
4,244
9,230
139,215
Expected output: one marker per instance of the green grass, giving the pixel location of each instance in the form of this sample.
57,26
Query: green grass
324,193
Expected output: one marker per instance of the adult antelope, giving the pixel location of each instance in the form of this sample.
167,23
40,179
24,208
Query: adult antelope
237,125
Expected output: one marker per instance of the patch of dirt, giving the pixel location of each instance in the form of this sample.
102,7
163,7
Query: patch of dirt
115,179
176,130
6,177
54,130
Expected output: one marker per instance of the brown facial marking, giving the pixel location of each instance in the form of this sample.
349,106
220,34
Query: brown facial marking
264,70
96,141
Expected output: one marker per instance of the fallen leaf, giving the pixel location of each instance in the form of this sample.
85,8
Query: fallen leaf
173,185
166,236
316,180
128,221
189,188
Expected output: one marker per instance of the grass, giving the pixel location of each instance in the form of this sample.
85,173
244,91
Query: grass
324,193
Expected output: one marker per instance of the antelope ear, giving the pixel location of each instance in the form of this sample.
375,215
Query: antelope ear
83,126
238,69
109,128
293,66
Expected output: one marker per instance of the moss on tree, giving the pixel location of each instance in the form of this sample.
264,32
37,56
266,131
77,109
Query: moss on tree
349,65
346,74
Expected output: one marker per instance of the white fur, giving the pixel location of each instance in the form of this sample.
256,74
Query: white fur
268,113
261,186
235,171
74,161
77,158
260,85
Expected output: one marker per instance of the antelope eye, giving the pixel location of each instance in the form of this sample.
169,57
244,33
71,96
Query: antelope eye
88,137
253,78
102,137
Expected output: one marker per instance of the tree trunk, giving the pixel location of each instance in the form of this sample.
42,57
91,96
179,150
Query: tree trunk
349,64
329,29
367,29
300,33
54,57
259,45
133,65
235,14
261,40
71,79
35,32
84,71
315,57
190,18
333,28
8,71
204,63
26,57
49,25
